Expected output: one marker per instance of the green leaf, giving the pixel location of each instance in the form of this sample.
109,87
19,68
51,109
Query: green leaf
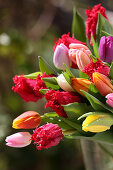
95,47
106,34
61,121
43,91
32,75
78,26
103,137
51,82
96,104
44,67
95,113
67,77
67,70
111,71
83,75
74,110
103,25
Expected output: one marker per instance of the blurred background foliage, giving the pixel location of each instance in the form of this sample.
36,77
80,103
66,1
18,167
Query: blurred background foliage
27,29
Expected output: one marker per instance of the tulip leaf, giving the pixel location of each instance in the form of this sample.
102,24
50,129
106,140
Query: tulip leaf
43,91
51,82
32,75
44,67
96,104
111,71
106,34
67,77
67,70
74,110
61,121
83,75
95,113
78,26
103,137
95,47
103,25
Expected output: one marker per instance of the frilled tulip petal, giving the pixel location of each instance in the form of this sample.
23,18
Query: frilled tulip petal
18,140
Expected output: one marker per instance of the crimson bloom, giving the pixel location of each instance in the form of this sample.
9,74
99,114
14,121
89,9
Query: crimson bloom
28,89
47,136
55,100
98,66
92,17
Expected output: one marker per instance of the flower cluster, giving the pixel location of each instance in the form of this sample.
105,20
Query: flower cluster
84,88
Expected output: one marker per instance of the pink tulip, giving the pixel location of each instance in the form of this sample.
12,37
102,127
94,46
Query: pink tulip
18,140
61,57
109,100
80,55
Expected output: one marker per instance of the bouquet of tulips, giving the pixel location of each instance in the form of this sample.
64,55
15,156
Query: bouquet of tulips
78,87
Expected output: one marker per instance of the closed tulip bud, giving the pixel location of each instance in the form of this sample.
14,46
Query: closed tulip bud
109,100
18,140
80,84
80,55
27,120
61,57
106,49
63,83
96,123
102,83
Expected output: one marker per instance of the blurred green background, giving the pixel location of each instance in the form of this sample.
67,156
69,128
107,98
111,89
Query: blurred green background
27,29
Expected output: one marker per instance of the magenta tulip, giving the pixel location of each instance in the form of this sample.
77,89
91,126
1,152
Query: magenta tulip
106,49
109,100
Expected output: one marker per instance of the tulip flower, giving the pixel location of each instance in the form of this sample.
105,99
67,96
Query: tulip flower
106,49
27,120
93,123
63,83
80,84
102,83
18,140
80,55
109,100
61,57
47,136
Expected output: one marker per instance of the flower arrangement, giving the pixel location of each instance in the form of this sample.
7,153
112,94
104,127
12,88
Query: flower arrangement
79,92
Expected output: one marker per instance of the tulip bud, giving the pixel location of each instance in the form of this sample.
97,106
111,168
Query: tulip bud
27,120
109,100
102,83
80,55
106,49
61,57
18,140
93,123
63,83
80,84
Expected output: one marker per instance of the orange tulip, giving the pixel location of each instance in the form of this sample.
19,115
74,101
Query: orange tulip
80,84
102,83
27,120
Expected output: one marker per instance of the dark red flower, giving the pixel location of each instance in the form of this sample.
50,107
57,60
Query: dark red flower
91,22
66,40
47,136
28,89
56,98
98,66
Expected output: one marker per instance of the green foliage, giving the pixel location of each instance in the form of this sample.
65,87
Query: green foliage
95,47
111,71
32,75
51,82
78,26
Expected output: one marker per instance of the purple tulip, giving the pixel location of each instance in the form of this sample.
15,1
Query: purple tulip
61,57
106,49
109,100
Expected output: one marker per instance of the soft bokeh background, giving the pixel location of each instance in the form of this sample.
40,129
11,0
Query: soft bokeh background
27,29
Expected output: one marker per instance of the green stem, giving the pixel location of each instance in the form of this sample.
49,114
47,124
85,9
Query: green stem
92,155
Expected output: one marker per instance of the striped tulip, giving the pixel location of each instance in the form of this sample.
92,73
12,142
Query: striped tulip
80,84
27,120
102,83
